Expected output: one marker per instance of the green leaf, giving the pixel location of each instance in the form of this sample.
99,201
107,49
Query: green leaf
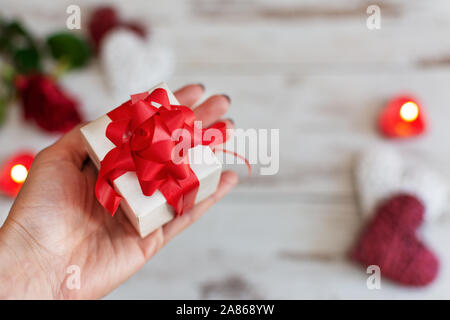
3,109
7,76
26,60
69,48
19,47
14,36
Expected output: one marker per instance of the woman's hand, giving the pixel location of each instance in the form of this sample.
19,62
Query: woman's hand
56,222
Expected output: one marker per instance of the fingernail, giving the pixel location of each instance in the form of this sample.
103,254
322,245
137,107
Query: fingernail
201,85
231,120
227,97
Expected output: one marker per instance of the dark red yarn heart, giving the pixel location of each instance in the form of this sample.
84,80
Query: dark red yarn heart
390,242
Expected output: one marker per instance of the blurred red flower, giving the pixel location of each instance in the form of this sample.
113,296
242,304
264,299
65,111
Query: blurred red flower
46,103
105,19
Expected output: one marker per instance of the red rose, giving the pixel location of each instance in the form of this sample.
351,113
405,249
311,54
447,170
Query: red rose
44,102
105,19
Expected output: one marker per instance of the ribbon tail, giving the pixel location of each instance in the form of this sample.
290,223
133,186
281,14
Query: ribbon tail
116,163
173,193
104,191
190,187
107,196
181,194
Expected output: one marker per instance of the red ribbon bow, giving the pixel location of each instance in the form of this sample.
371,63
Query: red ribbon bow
144,138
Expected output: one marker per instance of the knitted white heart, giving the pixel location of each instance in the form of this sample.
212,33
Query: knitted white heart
381,172
132,64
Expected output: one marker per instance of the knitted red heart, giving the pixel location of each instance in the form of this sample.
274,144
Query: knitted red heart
390,242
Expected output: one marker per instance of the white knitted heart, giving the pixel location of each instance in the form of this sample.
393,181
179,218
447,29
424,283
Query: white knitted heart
132,64
381,172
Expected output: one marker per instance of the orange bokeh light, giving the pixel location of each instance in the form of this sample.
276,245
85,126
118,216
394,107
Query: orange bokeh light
19,173
409,111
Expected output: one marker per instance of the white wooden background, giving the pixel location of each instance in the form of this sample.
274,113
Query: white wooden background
313,70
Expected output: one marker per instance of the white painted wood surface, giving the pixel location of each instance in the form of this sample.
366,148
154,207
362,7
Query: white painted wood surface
313,70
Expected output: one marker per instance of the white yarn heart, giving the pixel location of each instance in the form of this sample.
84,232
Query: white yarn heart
381,172
132,64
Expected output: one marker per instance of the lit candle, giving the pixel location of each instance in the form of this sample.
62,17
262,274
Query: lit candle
403,117
13,173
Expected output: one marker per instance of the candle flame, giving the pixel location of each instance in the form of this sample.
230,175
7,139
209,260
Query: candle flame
409,111
19,173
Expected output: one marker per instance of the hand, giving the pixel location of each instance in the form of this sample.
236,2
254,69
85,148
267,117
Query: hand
56,222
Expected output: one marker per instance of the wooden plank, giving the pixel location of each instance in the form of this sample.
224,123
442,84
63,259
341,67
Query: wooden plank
309,36
272,250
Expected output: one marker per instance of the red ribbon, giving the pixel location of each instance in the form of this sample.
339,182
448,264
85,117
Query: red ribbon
144,138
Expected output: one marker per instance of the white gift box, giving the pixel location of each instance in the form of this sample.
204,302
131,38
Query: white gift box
148,213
